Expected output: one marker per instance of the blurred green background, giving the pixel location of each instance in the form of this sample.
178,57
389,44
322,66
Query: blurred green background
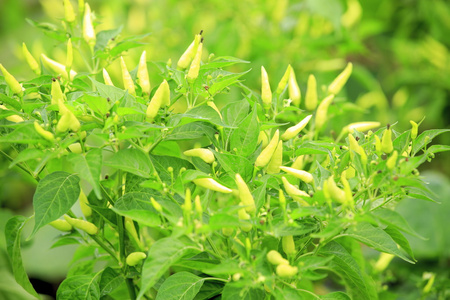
400,52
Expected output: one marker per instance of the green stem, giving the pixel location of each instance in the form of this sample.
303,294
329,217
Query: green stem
105,247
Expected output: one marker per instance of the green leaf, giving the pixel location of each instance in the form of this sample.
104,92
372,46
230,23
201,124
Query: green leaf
108,91
163,254
191,131
10,101
425,138
54,196
109,281
27,154
132,161
346,267
400,239
245,138
103,37
219,221
335,296
394,219
137,206
98,104
161,164
438,148
223,61
180,286
89,168
84,287
200,113
13,230
376,238
233,164
233,291
225,81
23,134
209,290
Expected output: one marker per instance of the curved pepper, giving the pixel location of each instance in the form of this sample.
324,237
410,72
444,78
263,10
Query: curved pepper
12,82
263,159
361,126
83,225
44,133
266,93
338,83
142,74
57,68
56,93
205,154
195,65
300,174
156,205
294,130
414,129
311,93
135,258
335,192
298,162
12,118
322,110
128,83
294,192
275,258
31,61
209,183
61,225
160,98
354,146
284,80
84,205
245,195
277,160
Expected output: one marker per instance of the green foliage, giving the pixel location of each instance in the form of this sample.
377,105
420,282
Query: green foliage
191,217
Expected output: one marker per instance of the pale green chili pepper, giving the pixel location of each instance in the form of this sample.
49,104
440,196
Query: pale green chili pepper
294,90
311,93
266,93
88,28
142,74
128,83
31,61
12,82
336,86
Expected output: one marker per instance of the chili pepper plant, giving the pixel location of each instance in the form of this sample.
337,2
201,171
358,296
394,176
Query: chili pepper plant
171,197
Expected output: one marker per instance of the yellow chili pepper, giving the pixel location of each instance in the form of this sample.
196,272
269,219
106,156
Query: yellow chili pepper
354,146
162,95
262,138
107,78
135,258
12,82
44,133
69,59
414,129
377,143
302,175
245,195
386,140
67,121
288,245
322,110
88,28
205,154
69,14
294,192
84,205
187,207
83,225
276,161
284,80
56,93
213,106
294,130
209,183
61,225
361,126
131,229
311,93
156,205
336,86
286,271
275,258
198,206
392,161
298,162
348,192
263,159
75,148
195,65
57,68
31,61
12,118
294,90
142,74
243,215
335,192
266,93
128,83
187,57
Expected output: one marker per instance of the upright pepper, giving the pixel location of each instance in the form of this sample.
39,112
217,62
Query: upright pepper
354,146
107,78
187,57
386,140
84,205
392,161
67,121
244,216
294,130
142,74
245,195
311,93
205,154
263,159
56,93
12,82
300,174
128,83
348,192
284,80
288,245
336,86
44,133
377,143
294,90
195,65
88,28
277,160
69,59
262,138
322,110
69,14
57,68
266,92
414,129
31,61
162,95
298,162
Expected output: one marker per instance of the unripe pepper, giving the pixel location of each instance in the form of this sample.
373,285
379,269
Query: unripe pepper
266,92
44,133
131,229
336,86
294,192
75,148
12,82
227,231
213,106
187,207
31,61
294,90
107,78
245,195
195,65
209,183
361,126
322,110
88,28
276,161
263,159
354,146
67,121
243,215
294,130
288,245
335,192
377,143
84,205
262,138
282,199
56,93
383,262
205,154
83,225
135,258
414,129
128,83
69,14
298,162
300,174
348,192
275,258
284,80
187,57
311,93
392,161
57,68
156,205
12,118
286,271
142,74
61,225
386,140
69,59
162,95
198,206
